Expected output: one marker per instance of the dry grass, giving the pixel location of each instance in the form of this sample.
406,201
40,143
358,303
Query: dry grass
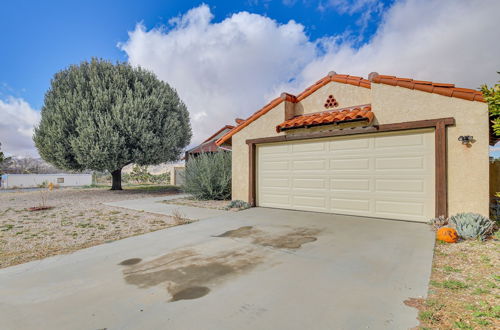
464,290
78,220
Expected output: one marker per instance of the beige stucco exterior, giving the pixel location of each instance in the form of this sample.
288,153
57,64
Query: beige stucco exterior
467,166
345,94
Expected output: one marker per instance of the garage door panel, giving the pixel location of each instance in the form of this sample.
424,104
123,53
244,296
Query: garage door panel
310,183
354,145
399,163
378,175
309,147
408,140
276,200
315,164
348,184
275,165
350,164
309,202
276,183
401,185
350,204
275,149
399,207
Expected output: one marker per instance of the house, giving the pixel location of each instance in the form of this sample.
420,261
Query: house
384,147
209,144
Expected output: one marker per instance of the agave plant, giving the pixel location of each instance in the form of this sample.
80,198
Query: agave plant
438,222
472,225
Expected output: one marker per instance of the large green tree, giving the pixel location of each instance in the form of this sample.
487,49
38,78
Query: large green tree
103,116
492,96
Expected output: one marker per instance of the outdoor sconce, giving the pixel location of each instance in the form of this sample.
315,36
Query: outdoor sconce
465,139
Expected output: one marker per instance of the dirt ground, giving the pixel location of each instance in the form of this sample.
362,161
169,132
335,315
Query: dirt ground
77,220
464,291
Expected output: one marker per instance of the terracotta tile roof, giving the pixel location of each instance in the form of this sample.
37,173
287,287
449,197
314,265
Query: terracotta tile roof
215,135
345,115
209,144
332,76
428,86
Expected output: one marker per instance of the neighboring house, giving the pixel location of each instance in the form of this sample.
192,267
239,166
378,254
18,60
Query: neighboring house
209,146
382,147
10,181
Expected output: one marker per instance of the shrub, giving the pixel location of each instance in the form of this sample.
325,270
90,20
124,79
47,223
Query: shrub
472,225
238,204
208,176
44,184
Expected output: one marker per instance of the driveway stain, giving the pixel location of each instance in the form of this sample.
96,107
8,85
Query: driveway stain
129,262
192,273
188,274
193,292
293,239
244,231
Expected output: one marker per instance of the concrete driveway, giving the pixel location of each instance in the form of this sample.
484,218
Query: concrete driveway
255,269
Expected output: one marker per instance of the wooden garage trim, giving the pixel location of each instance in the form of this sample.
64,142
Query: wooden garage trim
439,125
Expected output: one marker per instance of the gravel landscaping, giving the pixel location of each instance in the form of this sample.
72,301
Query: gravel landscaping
77,220
225,205
464,290
209,204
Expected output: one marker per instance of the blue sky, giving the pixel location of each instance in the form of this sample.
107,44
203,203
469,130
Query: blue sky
46,36
228,58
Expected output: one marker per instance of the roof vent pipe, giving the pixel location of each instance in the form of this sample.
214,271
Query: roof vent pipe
372,75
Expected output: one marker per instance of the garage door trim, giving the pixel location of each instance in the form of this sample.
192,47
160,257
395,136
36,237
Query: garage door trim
439,126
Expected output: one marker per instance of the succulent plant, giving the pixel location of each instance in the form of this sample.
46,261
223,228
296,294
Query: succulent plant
238,204
472,225
438,222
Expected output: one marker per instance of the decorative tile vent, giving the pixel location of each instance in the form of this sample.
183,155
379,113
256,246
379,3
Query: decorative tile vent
331,102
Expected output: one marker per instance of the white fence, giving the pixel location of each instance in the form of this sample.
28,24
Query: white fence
177,176
12,181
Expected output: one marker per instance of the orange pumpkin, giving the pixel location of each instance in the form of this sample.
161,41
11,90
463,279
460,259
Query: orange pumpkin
447,234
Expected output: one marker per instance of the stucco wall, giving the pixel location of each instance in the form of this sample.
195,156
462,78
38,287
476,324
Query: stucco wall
262,127
468,167
345,94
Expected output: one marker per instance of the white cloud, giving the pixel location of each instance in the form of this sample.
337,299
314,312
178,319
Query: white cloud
221,70
350,6
16,127
445,41
230,69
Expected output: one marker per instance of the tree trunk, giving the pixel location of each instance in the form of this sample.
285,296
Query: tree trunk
117,180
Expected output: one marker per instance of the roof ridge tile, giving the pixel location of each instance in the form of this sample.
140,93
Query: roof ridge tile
428,86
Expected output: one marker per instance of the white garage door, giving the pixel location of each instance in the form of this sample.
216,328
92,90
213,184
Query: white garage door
383,175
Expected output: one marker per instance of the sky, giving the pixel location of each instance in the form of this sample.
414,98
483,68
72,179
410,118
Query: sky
228,58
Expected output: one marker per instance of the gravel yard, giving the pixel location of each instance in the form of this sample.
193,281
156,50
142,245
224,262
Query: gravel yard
464,290
77,220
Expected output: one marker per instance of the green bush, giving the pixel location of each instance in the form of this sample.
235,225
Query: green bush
208,176
472,225
238,204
